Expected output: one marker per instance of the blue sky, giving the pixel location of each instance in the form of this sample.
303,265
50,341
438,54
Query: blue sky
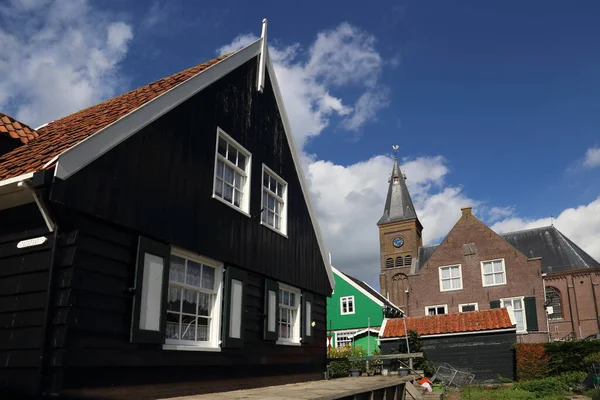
493,104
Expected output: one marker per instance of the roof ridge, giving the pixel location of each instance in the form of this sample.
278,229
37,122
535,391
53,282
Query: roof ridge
568,242
528,229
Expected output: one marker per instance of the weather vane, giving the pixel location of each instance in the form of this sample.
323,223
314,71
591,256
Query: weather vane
395,147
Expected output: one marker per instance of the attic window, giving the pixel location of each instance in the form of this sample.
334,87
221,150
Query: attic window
232,173
389,263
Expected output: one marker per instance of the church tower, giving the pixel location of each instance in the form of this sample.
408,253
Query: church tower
399,239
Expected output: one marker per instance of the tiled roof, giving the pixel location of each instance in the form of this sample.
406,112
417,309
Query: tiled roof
14,129
66,132
472,321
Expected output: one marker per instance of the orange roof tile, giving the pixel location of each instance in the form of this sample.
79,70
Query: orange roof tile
66,132
473,321
14,129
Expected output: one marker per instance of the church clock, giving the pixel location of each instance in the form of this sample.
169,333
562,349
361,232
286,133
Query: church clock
398,242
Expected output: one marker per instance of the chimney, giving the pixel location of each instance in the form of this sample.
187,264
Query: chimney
466,211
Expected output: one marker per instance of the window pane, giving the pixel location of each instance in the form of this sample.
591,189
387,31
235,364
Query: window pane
208,277
517,304
190,301
489,279
241,161
204,301
351,306
228,193
266,180
271,203
283,330
203,330
219,188
232,155
431,311
446,284
499,278
174,300
456,283
188,327
445,273
172,326
519,318
454,272
497,266
279,190
292,299
487,268
177,270
272,184
284,315
277,224
441,310
468,308
237,198
228,176
270,218
192,275
286,297
222,147
219,168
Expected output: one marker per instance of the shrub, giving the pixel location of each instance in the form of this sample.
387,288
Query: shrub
532,362
593,358
551,386
342,368
569,356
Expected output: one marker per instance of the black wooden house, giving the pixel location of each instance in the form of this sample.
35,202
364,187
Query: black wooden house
162,242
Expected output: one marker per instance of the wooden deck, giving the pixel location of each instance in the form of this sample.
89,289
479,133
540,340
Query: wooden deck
367,387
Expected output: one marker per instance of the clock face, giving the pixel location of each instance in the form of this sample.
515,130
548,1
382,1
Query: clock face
398,242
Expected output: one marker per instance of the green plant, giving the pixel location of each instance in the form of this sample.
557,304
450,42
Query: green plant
342,367
570,356
593,358
551,386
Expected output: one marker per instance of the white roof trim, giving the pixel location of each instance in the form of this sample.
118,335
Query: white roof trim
365,330
388,300
353,284
382,329
298,164
16,179
84,152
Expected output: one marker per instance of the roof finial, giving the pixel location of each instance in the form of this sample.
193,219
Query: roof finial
552,220
262,60
395,147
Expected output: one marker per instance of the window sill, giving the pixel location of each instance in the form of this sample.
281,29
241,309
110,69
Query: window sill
273,229
183,347
450,290
286,343
230,205
495,284
348,313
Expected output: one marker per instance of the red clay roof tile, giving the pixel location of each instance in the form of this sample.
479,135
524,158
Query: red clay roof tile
472,321
57,136
14,129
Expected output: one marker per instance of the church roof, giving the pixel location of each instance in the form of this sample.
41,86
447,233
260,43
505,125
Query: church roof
558,252
398,204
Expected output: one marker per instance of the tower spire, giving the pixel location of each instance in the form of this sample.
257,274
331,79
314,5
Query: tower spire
398,204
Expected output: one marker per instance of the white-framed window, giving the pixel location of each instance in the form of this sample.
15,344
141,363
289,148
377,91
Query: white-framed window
450,278
468,307
289,314
347,305
436,310
345,338
274,201
194,301
232,173
518,306
493,272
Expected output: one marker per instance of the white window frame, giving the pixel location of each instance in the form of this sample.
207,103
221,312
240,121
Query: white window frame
349,333
459,277
522,298
460,306
349,300
295,339
216,312
436,307
283,199
244,207
503,272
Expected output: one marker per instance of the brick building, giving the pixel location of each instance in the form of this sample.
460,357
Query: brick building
550,283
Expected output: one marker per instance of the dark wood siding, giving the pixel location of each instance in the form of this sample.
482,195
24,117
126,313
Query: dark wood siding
94,346
489,356
160,182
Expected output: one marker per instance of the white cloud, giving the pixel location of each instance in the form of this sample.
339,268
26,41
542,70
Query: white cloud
592,157
580,224
239,42
58,57
157,13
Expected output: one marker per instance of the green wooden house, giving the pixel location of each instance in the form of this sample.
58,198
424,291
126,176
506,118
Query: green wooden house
355,312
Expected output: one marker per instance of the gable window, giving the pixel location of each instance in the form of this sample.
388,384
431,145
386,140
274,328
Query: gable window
274,199
347,305
468,307
519,310
436,310
194,301
553,300
345,338
232,173
450,278
493,272
289,315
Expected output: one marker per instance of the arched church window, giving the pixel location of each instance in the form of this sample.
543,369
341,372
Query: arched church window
389,263
407,260
399,261
553,300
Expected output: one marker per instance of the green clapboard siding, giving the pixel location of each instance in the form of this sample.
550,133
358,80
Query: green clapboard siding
364,308
363,341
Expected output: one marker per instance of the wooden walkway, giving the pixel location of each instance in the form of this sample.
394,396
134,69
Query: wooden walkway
341,388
